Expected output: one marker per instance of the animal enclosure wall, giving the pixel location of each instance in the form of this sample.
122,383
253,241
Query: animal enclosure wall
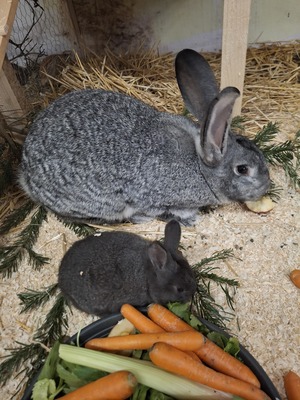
55,26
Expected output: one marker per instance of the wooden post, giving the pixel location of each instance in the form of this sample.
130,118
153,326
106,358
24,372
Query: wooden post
236,17
8,10
12,100
72,23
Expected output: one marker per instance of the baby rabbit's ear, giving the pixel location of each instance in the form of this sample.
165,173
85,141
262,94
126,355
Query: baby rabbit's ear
196,81
172,235
214,132
157,255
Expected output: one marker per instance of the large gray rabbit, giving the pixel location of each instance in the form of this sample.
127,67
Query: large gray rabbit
100,273
100,155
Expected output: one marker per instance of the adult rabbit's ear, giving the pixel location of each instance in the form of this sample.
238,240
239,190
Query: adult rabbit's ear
201,96
214,131
172,235
196,81
158,256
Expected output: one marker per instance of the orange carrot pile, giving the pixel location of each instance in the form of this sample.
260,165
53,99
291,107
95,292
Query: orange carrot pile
292,385
145,324
174,360
117,385
209,353
180,349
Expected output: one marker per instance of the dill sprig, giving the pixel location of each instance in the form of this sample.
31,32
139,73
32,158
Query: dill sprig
11,256
203,300
33,299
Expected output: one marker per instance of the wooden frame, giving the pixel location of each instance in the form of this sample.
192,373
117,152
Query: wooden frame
236,16
11,92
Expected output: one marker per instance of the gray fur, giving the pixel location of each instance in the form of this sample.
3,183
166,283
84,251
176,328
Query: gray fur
100,155
100,273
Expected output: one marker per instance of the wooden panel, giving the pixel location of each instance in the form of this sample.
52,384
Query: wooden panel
234,46
12,98
8,10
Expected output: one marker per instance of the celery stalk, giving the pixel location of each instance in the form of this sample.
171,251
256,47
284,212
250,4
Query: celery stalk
145,372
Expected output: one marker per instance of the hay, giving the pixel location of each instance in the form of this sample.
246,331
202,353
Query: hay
266,247
271,91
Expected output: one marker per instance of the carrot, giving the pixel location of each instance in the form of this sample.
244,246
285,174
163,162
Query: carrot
139,320
117,385
143,341
178,362
295,277
292,385
209,353
145,324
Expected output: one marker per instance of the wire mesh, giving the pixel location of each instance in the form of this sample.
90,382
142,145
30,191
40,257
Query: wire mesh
40,29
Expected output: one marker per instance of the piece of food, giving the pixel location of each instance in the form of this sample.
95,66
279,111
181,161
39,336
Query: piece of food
139,320
145,324
187,341
117,385
292,385
145,372
122,328
209,353
295,277
261,206
173,360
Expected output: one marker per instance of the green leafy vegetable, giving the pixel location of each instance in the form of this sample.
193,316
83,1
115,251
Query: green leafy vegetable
232,347
49,369
228,344
44,389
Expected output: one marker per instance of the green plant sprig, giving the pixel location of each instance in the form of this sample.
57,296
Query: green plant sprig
33,299
11,256
285,154
16,217
203,301
80,229
55,324
28,358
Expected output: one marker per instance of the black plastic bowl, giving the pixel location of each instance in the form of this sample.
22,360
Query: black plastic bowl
102,327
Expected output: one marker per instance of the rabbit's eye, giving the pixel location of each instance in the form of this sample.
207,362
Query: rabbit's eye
241,169
179,289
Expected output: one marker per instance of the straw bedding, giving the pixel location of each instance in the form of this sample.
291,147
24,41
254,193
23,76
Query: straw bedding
267,247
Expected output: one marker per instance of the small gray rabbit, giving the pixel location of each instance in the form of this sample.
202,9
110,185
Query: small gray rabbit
100,273
103,156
